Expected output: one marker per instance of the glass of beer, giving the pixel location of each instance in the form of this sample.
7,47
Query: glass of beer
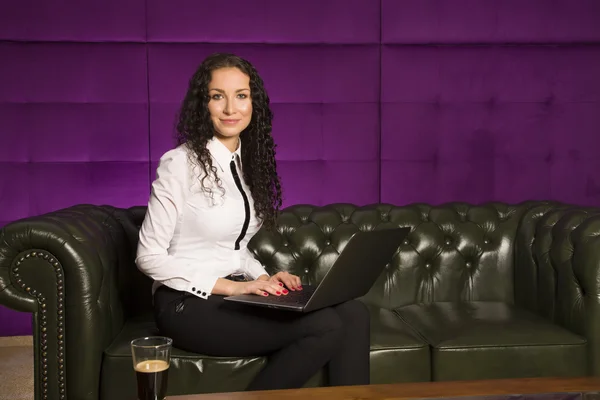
151,360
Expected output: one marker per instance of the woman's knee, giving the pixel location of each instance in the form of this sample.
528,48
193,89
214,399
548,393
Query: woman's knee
353,313
325,321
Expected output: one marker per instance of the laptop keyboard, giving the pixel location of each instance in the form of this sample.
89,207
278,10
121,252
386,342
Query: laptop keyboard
297,297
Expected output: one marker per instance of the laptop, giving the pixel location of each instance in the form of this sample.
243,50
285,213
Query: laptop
352,274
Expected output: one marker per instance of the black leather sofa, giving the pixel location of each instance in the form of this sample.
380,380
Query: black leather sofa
474,292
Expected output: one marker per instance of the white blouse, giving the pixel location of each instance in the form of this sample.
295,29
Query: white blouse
187,239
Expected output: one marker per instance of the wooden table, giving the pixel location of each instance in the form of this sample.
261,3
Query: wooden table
403,391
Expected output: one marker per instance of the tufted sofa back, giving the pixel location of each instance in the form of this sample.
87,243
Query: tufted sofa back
453,252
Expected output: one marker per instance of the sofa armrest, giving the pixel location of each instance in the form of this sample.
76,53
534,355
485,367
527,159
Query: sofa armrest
63,268
557,272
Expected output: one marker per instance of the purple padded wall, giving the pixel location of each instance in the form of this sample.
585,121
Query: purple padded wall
73,106
490,100
374,100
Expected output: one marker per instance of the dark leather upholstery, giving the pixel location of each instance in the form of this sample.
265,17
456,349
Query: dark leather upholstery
486,291
494,340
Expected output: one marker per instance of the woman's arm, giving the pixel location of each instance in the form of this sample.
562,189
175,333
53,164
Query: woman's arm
165,206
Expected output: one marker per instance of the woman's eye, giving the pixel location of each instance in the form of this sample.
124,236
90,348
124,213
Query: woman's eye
220,96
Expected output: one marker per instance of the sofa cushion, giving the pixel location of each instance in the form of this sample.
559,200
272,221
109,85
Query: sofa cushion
488,340
397,355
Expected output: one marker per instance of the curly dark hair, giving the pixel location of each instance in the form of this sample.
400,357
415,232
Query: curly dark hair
195,129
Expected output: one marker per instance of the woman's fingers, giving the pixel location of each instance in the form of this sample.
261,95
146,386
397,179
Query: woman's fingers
279,279
270,288
290,281
293,282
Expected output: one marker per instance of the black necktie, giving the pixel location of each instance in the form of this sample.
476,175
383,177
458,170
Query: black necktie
238,183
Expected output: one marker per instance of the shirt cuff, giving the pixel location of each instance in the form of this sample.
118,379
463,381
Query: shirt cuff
202,285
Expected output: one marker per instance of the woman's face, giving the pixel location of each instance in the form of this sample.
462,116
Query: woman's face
230,104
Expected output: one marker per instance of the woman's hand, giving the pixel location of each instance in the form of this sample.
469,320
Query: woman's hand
260,287
286,279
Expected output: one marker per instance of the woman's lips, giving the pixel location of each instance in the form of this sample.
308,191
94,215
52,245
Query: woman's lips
230,121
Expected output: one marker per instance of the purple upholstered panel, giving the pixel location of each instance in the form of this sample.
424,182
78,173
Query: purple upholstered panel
323,182
59,185
76,20
490,74
323,115
14,323
490,21
490,123
264,21
73,73
76,118
14,191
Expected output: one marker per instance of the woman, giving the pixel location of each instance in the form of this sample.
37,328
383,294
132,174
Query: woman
211,195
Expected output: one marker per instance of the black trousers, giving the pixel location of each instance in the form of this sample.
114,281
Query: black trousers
297,345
